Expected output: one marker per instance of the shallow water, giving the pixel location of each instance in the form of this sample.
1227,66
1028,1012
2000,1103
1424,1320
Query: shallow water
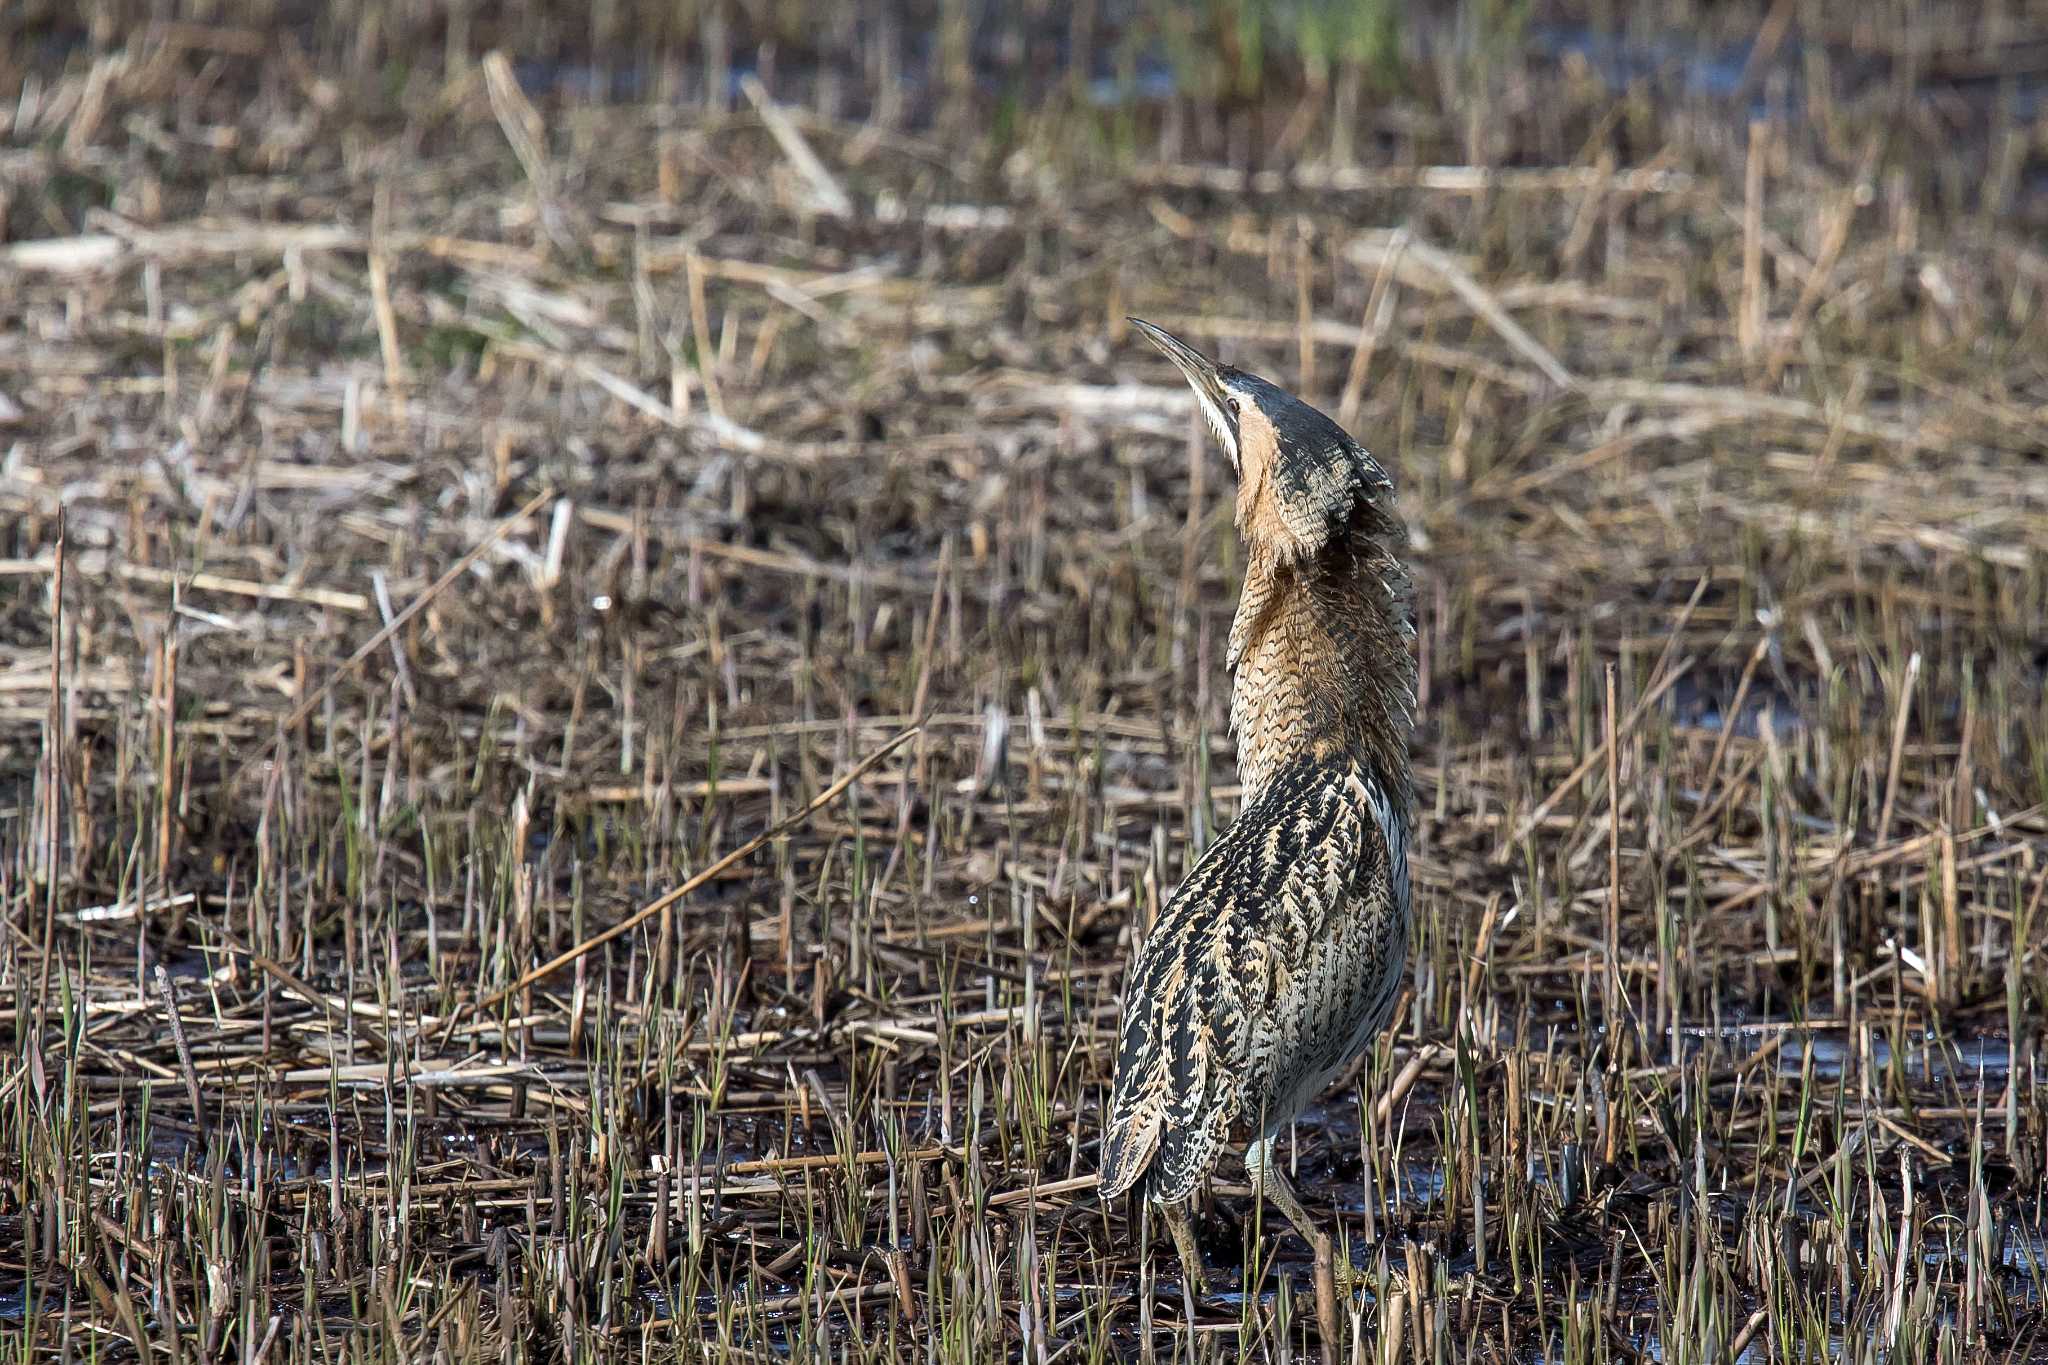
1969,1063
1701,707
1025,57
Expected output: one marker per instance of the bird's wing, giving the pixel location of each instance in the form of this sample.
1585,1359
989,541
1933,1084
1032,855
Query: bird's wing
1342,933
1197,1050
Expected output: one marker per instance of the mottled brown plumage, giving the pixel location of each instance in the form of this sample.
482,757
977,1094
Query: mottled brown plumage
1279,958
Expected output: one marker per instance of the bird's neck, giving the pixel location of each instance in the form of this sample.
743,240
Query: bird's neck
1320,654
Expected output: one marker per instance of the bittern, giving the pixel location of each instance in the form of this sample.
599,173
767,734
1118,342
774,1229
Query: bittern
1278,959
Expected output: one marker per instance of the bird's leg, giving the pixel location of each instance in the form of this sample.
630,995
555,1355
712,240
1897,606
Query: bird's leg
1271,1183
1331,1280
1183,1229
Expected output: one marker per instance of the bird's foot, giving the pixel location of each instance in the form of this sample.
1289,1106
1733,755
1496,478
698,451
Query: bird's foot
1347,1275
1183,1229
1344,1275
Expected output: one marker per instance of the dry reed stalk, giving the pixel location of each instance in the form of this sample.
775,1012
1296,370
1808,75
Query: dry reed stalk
1834,237
53,780
1476,296
169,996
655,907
393,626
526,132
1305,308
700,324
1750,316
1610,746
1371,324
167,765
825,193
395,377
273,592
1901,713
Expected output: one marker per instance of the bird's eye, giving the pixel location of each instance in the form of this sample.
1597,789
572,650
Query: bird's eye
1231,403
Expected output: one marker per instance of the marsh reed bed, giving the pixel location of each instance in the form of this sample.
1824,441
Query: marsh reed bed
468,474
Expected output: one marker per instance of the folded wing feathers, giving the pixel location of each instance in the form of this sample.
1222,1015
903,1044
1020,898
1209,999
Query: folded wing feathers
1188,1064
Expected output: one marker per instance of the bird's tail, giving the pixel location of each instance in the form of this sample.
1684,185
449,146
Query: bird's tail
1166,1110
1129,1140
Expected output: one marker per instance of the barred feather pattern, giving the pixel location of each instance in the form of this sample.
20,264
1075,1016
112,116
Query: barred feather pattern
1275,963
1279,958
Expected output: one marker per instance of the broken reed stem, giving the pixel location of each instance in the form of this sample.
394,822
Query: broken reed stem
1613,852
1899,719
1749,318
1837,236
387,322
1950,955
1749,1329
700,328
526,132
391,628
1305,307
1369,328
382,592
167,765
1476,968
1734,709
826,194
1325,1273
1411,1071
1394,1326
1838,430
53,781
661,903
169,996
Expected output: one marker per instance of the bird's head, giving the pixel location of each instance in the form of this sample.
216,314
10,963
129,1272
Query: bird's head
1300,479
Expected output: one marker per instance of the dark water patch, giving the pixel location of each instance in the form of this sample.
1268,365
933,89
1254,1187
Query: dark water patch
1966,1062
1778,86
1677,62
1706,705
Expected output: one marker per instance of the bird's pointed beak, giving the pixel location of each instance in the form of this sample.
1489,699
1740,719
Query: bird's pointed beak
1203,376
1199,369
